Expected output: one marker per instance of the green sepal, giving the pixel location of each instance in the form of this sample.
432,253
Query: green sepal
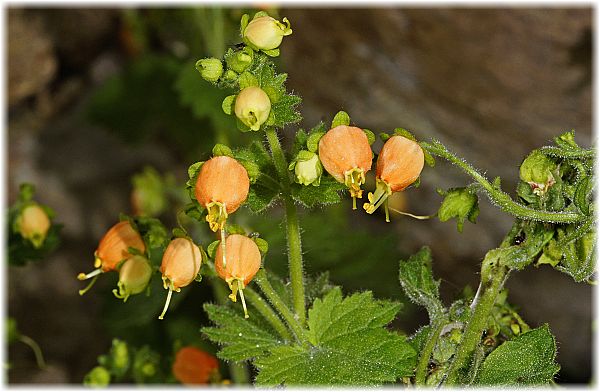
222,150
263,245
234,228
341,118
244,23
228,104
384,137
404,133
312,142
370,136
272,52
177,232
459,203
211,250
246,79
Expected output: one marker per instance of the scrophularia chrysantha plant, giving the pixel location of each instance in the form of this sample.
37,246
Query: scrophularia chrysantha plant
306,330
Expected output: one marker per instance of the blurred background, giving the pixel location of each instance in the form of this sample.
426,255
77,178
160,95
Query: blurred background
96,95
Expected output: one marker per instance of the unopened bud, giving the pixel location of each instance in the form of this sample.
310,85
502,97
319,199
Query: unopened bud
536,170
252,107
240,60
308,168
266,33
33,224
211,69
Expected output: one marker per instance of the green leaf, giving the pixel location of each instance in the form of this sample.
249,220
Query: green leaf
526,360
242,339
416,278
350,346
341,118
582,194
326,193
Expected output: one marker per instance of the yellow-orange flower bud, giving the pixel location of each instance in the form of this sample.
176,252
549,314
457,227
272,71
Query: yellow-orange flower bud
33,224
243,262
112,249
346,154
399,164
180,266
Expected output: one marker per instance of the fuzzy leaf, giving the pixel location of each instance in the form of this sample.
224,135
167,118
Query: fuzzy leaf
526,360
326,193
351,346
416,278
242,338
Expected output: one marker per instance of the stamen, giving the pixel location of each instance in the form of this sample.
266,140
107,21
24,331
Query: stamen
419,217
83,276
89,286
162,315
382,192
243,301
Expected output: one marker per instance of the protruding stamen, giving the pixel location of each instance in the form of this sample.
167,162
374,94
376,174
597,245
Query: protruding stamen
89,286
162,315
83,276
387,211
233,286
382,192
353,179
243,301
419,217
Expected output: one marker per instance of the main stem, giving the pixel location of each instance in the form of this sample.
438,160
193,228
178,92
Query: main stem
421,370
292,226
493,276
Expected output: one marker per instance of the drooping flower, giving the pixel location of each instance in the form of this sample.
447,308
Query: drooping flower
399,164
346,155
194,367
134,275
113,249
180,266
243,262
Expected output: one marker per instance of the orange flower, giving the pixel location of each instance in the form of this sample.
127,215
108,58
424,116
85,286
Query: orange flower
193,366
180,266
399,164
112,249
346,154
243,262
221,188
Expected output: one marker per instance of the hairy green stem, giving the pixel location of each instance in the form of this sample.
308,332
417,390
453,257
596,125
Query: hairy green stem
434,334
263,282
238,370
292,226
497,196
268,313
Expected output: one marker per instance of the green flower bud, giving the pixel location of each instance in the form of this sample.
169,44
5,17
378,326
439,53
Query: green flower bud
97,377
119,356
307,168
148,196
134,275
252,107
33,224
240,60
266,33
211,69
231,76
12,332
536,170
459,203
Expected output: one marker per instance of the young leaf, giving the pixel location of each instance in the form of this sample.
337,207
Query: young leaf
350,346
416,278
526,360
326,193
